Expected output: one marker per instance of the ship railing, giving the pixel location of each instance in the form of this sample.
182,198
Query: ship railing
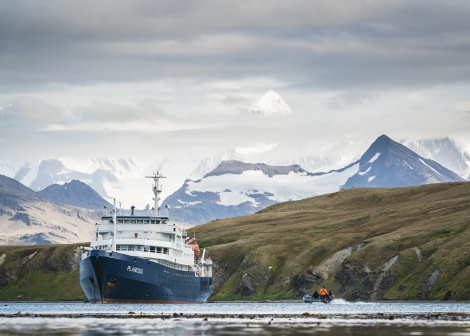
102,244
146,245
145,242
104,228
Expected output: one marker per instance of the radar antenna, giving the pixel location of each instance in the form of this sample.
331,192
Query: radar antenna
157,190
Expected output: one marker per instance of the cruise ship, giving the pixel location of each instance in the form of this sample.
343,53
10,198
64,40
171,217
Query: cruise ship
144,259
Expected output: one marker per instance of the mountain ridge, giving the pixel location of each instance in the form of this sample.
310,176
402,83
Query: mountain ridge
26,217
122,178
75,193
238,167
388,155
236,188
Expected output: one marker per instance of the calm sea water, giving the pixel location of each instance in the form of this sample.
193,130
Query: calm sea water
279,318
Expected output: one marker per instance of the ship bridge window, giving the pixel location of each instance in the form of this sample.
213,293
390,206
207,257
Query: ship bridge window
165,221
140,221
146,221
133,221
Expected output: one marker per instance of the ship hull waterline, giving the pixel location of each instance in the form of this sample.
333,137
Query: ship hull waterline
113,277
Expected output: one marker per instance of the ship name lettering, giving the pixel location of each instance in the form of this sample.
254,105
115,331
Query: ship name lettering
135,269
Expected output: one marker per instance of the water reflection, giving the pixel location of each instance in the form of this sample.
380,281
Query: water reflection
216,319
219,327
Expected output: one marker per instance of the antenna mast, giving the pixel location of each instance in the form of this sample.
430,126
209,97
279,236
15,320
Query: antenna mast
157,190
113,248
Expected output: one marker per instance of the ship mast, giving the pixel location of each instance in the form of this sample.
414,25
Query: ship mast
113,249
157,190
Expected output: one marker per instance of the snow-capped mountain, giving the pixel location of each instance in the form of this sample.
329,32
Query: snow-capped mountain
389,164
123,179
446,151
231,189
28,218
53,171
271,103
100,174
235,188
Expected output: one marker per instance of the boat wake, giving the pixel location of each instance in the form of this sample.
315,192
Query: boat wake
341,302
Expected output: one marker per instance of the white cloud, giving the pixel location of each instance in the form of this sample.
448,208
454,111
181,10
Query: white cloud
255,149
159,80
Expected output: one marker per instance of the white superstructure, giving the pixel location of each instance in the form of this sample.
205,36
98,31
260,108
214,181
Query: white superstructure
151,237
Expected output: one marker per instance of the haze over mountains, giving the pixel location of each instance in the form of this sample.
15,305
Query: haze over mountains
233,188
123,178
222,186
444,151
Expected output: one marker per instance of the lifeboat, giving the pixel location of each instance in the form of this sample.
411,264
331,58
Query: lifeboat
195,247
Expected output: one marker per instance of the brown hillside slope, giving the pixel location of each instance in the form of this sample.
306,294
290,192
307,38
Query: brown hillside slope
364,244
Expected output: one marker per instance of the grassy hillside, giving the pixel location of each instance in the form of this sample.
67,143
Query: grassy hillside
364,244
40,272
405,243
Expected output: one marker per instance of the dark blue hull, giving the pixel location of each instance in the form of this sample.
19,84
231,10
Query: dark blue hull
118,278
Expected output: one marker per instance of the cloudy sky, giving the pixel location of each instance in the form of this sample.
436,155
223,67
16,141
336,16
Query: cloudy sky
159,79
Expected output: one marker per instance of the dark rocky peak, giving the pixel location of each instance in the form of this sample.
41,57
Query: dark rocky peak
386,147
238,167
12,187
75,193
388,163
